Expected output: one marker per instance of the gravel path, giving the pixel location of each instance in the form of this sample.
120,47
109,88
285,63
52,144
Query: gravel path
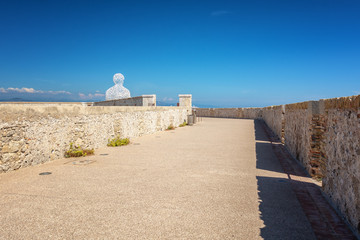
214,180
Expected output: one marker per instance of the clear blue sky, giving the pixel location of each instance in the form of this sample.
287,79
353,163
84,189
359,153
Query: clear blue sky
225,53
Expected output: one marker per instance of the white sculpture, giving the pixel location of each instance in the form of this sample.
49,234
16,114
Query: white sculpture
118,91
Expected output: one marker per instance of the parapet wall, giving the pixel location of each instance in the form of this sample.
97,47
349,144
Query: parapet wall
297,133
324,136
144,100
36,133
341,153
274,118
249,113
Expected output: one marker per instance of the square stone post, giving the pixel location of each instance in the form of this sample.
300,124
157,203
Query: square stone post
149,100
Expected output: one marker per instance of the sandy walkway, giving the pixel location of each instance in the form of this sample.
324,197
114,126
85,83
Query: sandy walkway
209,181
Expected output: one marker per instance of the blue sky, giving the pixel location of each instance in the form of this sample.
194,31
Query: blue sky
225,53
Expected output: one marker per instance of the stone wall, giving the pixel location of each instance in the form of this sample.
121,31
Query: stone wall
36,133
297,132
144,100
274,118
324,136
341,180
250,113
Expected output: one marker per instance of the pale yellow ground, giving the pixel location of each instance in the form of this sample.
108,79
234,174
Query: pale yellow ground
209,181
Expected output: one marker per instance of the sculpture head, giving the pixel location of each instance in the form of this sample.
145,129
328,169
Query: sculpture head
119,78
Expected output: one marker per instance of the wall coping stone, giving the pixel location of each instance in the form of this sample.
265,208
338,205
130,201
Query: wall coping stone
185,95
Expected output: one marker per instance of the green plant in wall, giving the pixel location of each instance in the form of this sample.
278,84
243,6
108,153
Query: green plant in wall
115,142
318,178
171,127
76,151
183,124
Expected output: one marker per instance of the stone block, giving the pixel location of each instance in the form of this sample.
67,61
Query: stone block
12,147
9,157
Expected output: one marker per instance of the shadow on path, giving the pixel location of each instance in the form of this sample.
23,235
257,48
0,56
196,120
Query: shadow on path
279,208
291,205
264,148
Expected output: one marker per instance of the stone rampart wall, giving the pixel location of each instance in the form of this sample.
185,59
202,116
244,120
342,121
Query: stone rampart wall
325,137
274,118
250,113
144,100
341,150
35,133
296,132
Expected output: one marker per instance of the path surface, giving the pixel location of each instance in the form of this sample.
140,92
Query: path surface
215,180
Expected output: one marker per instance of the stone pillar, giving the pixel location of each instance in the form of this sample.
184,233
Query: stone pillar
149,100
185,100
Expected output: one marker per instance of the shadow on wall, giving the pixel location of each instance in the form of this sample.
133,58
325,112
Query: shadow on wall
279,208
266,139
263,149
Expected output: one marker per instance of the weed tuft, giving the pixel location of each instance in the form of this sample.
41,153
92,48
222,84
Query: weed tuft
183,124
171,127
115,142
76,151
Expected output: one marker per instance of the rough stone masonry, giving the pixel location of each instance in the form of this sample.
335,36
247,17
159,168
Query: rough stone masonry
36,133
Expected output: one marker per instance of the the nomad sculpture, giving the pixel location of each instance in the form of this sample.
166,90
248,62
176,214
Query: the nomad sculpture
118,91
